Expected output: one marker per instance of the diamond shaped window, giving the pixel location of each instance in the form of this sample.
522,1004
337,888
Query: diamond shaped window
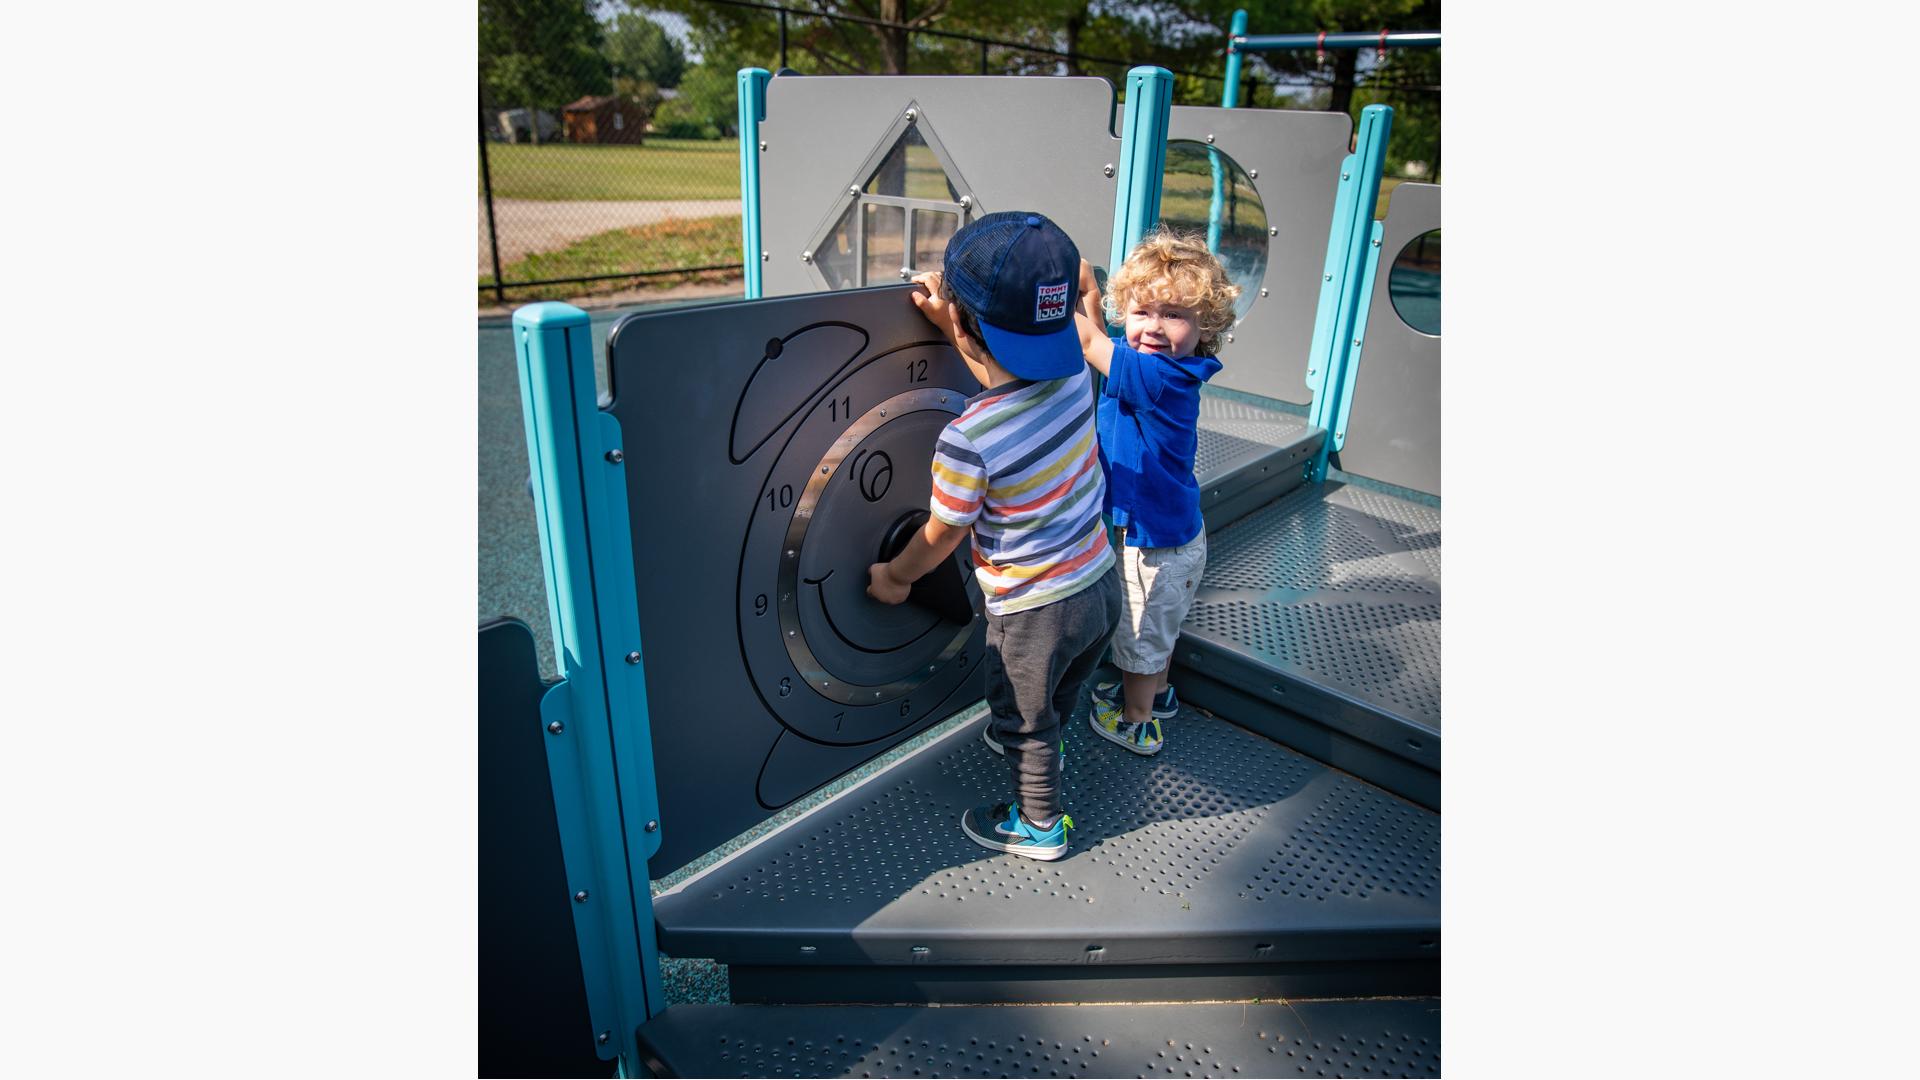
898,212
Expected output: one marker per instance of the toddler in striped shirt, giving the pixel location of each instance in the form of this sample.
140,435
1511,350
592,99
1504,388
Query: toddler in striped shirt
1019,472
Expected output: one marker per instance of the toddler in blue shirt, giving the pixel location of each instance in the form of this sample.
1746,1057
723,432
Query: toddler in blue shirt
1173,298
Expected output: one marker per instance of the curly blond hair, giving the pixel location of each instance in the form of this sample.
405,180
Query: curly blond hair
1176,268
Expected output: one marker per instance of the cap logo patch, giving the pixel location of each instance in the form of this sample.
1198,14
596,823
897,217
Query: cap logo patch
1050,302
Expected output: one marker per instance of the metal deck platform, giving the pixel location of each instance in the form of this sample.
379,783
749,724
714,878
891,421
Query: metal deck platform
1323,608
1226,861
1300,1038
1247,456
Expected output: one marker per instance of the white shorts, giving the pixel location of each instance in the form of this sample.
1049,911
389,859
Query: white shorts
1157,587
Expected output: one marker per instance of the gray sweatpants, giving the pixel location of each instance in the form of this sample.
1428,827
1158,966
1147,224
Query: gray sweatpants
1038,661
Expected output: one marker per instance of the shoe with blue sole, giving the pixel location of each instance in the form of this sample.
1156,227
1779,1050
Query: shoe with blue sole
1001,828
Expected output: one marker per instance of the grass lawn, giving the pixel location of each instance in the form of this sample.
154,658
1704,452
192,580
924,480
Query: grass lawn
661,169
695,242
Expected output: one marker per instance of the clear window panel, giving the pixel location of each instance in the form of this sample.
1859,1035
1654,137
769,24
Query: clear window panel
1203,187
839,263
886,239
931,231
1414,283
912,170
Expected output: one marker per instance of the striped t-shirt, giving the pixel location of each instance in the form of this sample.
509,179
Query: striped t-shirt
1021,466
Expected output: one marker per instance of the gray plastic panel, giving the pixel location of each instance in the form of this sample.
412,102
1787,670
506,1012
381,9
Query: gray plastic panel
1389,1037
1393,430
1018,144
769,448
1328,603
1226,848
1295,156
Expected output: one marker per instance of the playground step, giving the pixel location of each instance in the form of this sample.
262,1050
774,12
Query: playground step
1318,624
1247,456
1226,860
1391,1037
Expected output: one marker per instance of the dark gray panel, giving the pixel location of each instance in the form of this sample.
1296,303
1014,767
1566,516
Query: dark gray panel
896,984
1328,603
1295,156
1225,848
533,999
1387,1037
1019,144
1393,430
771,445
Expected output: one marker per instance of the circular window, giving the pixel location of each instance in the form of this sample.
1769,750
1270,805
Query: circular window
1204,189
1414,283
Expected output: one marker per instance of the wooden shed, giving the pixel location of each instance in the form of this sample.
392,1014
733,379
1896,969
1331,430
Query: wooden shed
607,119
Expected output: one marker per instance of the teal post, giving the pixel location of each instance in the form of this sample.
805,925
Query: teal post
1143,159
752,94
1345,286
1351,369
598,734
1238,28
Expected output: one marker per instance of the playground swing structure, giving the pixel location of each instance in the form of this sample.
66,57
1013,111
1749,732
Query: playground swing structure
1287,850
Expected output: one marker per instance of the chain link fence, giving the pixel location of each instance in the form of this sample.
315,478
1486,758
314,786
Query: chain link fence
594,181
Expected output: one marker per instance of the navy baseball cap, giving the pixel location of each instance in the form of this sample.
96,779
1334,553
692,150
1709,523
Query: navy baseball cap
1017,272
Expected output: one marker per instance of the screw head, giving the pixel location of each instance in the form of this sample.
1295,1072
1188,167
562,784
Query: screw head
763,144
764,256
806,256
1263,292
906,272
966,201
853,189
615,456
605,1037
912,115
1326,277
1229,339
1108,170
633,657
1209,136
1376,243
1253,174
653,826
1273,230
580,897
556,728
1344,176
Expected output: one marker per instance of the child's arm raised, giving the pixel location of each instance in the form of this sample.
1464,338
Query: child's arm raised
1092,325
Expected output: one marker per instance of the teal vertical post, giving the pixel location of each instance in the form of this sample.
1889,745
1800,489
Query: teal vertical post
1337,435
1345,286
1143,159
752,94
1238,28
599,738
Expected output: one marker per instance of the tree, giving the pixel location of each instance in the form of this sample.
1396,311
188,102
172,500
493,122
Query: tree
705,108
539,54
637,48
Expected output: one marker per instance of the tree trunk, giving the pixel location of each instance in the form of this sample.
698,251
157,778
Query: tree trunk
893,42
1344,62
1075,23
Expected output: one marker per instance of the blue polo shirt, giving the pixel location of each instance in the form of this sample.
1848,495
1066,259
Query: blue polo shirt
1148,416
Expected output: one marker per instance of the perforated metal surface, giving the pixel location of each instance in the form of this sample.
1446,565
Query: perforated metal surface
1335,588
1302,1038
1171,862
1234,435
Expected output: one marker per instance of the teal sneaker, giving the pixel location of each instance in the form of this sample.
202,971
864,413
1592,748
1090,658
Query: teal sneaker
1001,828
1166,704
993,744
1109,722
